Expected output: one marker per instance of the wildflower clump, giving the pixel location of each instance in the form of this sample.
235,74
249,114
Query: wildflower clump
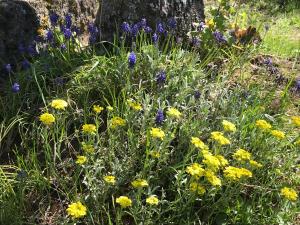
47,118
59,104
124,201
198,143
110,179
262,124
157,133
197,188
212,178
134,105
117,122
242,155
139,183
97,109
296,120
255,164
81,159
195,170
172,112
289,193
88,148
76,210
152,200
219,137
228,126
211,162
278,134
89,128
222,160
235,174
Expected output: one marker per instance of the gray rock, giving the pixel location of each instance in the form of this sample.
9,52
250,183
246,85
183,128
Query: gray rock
114,12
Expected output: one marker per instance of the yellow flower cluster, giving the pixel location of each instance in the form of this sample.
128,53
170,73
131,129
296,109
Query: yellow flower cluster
212,162
110,179
296,120
262,124
157,133
234,173
81,159
124,201
116,122
89,128
88,148
76,210
172,112
198,143
198,188
278,134
289,193
219,137
97,109
47,118
255,164
134,105
139,183
228,126
212,178
152,200
195,170
242,155
59,104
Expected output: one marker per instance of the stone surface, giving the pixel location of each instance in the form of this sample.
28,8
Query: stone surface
114,12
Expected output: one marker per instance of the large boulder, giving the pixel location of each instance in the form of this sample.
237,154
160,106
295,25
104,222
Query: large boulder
114,12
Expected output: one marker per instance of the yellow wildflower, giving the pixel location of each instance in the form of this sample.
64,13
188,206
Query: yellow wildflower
212,178
198,143
278,134
97,109
81,159
59,104
110,179
152,200
139,183
76,210
154,154
255,164
89,128
228,126
262,124
88,147
134,105
219,137
234,173
195,170
289,193
211,162
296,120
198,188
172,112
124,201
157,133
222,160
242,155
47,118
117,121
210,23
109,108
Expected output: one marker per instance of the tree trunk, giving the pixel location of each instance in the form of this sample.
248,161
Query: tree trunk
113,13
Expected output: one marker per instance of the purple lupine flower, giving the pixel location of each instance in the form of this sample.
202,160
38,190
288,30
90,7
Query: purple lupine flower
197,94
160,28
76,30
49,36
25,64
159,119
67,33
196,42
131,60
125,27
68,20
134,30
161,77
93,29
8,68
143,23
92,39
148,29
219,37
172,23
201,26
15,88
155,38
63,47
31,49
53,18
